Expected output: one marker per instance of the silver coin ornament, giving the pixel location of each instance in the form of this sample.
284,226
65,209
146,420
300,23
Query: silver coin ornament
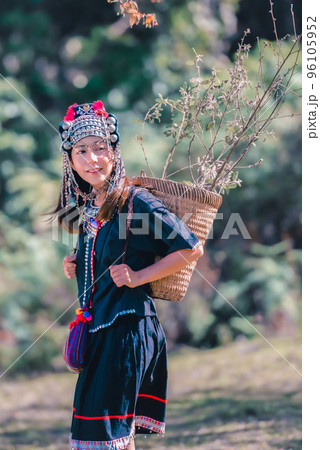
66,125
67,146
111,120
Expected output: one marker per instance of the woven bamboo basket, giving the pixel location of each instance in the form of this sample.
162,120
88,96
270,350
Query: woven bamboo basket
180,199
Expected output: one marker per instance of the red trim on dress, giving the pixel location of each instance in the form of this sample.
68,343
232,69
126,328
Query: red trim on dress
103,417
152,396
92,272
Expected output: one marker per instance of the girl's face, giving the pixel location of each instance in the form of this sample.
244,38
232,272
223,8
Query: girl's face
93,160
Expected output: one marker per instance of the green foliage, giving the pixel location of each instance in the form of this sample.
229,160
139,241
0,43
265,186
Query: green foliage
257,290
52,56
29,297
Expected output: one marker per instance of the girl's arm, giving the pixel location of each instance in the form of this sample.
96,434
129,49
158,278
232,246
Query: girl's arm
122,274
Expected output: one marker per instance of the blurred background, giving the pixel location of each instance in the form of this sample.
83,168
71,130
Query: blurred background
53,54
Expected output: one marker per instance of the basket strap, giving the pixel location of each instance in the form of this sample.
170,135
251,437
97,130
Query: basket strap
129,219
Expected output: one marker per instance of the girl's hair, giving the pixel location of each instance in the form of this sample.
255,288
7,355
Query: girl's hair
117,197
68,217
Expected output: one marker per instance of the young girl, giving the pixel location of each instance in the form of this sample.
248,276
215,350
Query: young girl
122,388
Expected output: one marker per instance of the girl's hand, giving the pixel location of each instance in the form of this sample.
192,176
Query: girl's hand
123,275
69,265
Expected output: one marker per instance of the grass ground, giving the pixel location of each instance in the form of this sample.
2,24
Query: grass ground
240,396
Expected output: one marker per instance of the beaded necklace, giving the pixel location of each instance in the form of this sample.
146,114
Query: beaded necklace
91,227
89,222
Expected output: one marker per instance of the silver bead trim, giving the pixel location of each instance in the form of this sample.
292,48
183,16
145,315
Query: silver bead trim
66,125
67,146
105,325
111,128
111,120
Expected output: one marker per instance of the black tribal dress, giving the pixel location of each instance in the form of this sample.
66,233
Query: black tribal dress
122,389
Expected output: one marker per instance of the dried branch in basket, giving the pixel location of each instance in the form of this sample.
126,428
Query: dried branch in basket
217,119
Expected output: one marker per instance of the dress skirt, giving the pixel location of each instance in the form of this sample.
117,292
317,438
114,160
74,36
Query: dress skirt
122,389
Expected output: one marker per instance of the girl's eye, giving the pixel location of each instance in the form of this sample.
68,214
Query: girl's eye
80,151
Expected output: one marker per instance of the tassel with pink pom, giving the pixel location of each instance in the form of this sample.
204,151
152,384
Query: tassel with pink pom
98,108
69,117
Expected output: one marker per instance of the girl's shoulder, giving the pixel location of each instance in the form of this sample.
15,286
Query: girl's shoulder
144,200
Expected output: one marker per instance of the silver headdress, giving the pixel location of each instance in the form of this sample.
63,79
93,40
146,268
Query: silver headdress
89,119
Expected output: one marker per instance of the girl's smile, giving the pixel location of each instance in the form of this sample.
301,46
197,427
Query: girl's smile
94,170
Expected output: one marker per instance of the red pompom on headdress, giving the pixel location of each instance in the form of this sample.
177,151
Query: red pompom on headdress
98,108
69,117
